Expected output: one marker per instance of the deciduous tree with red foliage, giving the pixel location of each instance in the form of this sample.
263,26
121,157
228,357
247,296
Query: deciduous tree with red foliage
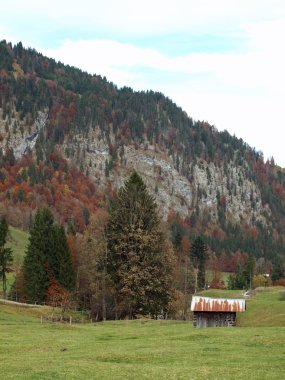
57,297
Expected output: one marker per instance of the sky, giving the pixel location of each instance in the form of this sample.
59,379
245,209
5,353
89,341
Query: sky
222,61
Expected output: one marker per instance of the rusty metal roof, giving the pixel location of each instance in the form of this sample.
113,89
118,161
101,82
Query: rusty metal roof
217,304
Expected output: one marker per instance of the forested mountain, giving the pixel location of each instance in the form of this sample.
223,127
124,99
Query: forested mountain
70,139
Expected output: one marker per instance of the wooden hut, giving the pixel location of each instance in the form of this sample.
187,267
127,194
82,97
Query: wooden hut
216,312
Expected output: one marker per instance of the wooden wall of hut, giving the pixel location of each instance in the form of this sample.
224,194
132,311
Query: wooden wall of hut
214,319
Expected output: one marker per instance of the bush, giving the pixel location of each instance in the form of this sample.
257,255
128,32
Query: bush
261,281
280,282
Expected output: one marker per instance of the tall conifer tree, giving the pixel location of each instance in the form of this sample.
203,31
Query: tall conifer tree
63,271
47,258
36,260
139,257
199,256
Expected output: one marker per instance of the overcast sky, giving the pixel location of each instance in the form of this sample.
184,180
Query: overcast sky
222,61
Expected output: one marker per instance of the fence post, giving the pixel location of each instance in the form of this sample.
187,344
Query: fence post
70,320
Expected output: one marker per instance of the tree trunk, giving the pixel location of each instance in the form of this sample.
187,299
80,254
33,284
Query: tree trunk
185,289
196,279
104,312
104,296
4,284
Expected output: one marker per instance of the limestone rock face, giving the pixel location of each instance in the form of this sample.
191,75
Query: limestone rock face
16,134
206,188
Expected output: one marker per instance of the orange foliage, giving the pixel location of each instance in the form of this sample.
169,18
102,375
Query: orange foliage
56,295
64,188
280,282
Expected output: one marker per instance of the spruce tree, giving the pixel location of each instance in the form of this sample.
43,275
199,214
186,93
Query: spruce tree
47,258
139,258
199,256
63,270
36,277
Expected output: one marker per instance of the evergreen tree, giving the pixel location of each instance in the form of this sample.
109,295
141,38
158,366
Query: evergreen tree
139,257
176,234
249,271
237,280
199,256
242,278
36,277
278,270
62,270
47,258
6,256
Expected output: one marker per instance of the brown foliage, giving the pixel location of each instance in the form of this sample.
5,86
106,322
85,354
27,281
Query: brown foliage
280,282
65,189
57,296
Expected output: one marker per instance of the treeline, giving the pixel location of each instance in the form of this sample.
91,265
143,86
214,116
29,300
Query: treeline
127,263
26,185
233,250
123,265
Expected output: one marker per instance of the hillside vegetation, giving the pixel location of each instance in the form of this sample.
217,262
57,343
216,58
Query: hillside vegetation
69,141
86,135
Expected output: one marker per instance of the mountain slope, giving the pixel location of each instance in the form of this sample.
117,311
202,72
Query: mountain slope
217,183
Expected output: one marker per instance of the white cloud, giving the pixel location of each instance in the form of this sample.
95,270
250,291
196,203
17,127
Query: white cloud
133,17
258,69
241,92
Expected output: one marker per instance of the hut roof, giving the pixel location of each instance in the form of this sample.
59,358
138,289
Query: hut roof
217,304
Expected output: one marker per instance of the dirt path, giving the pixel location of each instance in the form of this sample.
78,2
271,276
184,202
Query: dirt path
7,302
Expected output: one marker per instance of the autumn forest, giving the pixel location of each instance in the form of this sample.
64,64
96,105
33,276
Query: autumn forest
107,236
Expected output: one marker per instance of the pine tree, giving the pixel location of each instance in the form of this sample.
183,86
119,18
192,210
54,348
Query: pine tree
6,256
139,257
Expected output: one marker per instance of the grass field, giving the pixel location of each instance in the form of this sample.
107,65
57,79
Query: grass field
144,349
18,241
224,276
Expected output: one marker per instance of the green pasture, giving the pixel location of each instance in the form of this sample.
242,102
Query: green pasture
224,276
145,349
18,241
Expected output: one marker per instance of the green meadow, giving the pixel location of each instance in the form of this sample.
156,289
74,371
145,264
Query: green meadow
18,241
146,349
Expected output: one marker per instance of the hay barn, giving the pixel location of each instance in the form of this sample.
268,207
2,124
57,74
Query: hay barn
216,312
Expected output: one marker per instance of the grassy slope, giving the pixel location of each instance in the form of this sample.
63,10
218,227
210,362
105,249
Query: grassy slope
224,276
142,349
18,241
265,308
